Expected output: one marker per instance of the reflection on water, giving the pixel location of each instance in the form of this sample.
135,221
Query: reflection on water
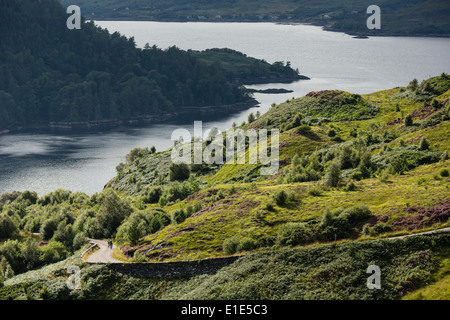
85,161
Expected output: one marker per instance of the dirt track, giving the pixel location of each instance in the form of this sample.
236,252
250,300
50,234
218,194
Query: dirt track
103,254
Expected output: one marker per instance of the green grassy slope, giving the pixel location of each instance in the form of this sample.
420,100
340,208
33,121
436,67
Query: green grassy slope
335,271
391,152
235,201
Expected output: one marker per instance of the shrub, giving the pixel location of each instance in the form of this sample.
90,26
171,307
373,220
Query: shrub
79,241
357,213
294,233
280,197
53,252
246,244
303,129
138,257
179,172
444,173
251,118
314,191
331,133
350,186
424,145
381,227
357,175
230,245
332,177
408,120
366,229
153,195
269,206
7,227
178,216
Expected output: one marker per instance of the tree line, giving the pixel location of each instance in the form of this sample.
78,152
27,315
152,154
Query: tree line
51,74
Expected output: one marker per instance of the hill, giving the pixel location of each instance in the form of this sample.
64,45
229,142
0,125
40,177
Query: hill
399,17
50,74
354,170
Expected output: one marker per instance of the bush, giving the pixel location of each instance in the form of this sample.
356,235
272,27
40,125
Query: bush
53,252
314,191
303,129
294,233
138,257
230,245
332,177
178,216
381,227
7,227
424,145
331,133
351,186
179,172
444,173
269,206
48,228
357,175
79,241
246,244
153,195
280,197
408,120
357,213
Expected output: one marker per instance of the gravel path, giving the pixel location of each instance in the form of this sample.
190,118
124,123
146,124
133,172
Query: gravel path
103,254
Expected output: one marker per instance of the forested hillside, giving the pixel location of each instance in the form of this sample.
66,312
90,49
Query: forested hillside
399,17
49,73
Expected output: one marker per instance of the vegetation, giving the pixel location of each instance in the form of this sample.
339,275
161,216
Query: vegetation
51,74
320,219
399,17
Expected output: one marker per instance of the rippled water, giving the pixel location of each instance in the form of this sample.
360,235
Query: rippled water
85,161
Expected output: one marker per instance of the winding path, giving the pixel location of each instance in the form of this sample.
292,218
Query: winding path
103,254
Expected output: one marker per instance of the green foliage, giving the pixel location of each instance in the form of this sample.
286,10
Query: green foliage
8,227
230,246
112,212
280,197
178,216
444,173
54,252
424,144
333,174
179,172
246,244
251,118
303,129
62,81
293,233
153,195
408,120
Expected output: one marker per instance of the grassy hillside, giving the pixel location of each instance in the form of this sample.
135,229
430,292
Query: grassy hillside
399,17
411,268
354,169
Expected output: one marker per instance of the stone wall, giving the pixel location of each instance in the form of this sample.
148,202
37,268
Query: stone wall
172,269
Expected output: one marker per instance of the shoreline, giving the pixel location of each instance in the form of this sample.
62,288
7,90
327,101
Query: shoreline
281,22
150,119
